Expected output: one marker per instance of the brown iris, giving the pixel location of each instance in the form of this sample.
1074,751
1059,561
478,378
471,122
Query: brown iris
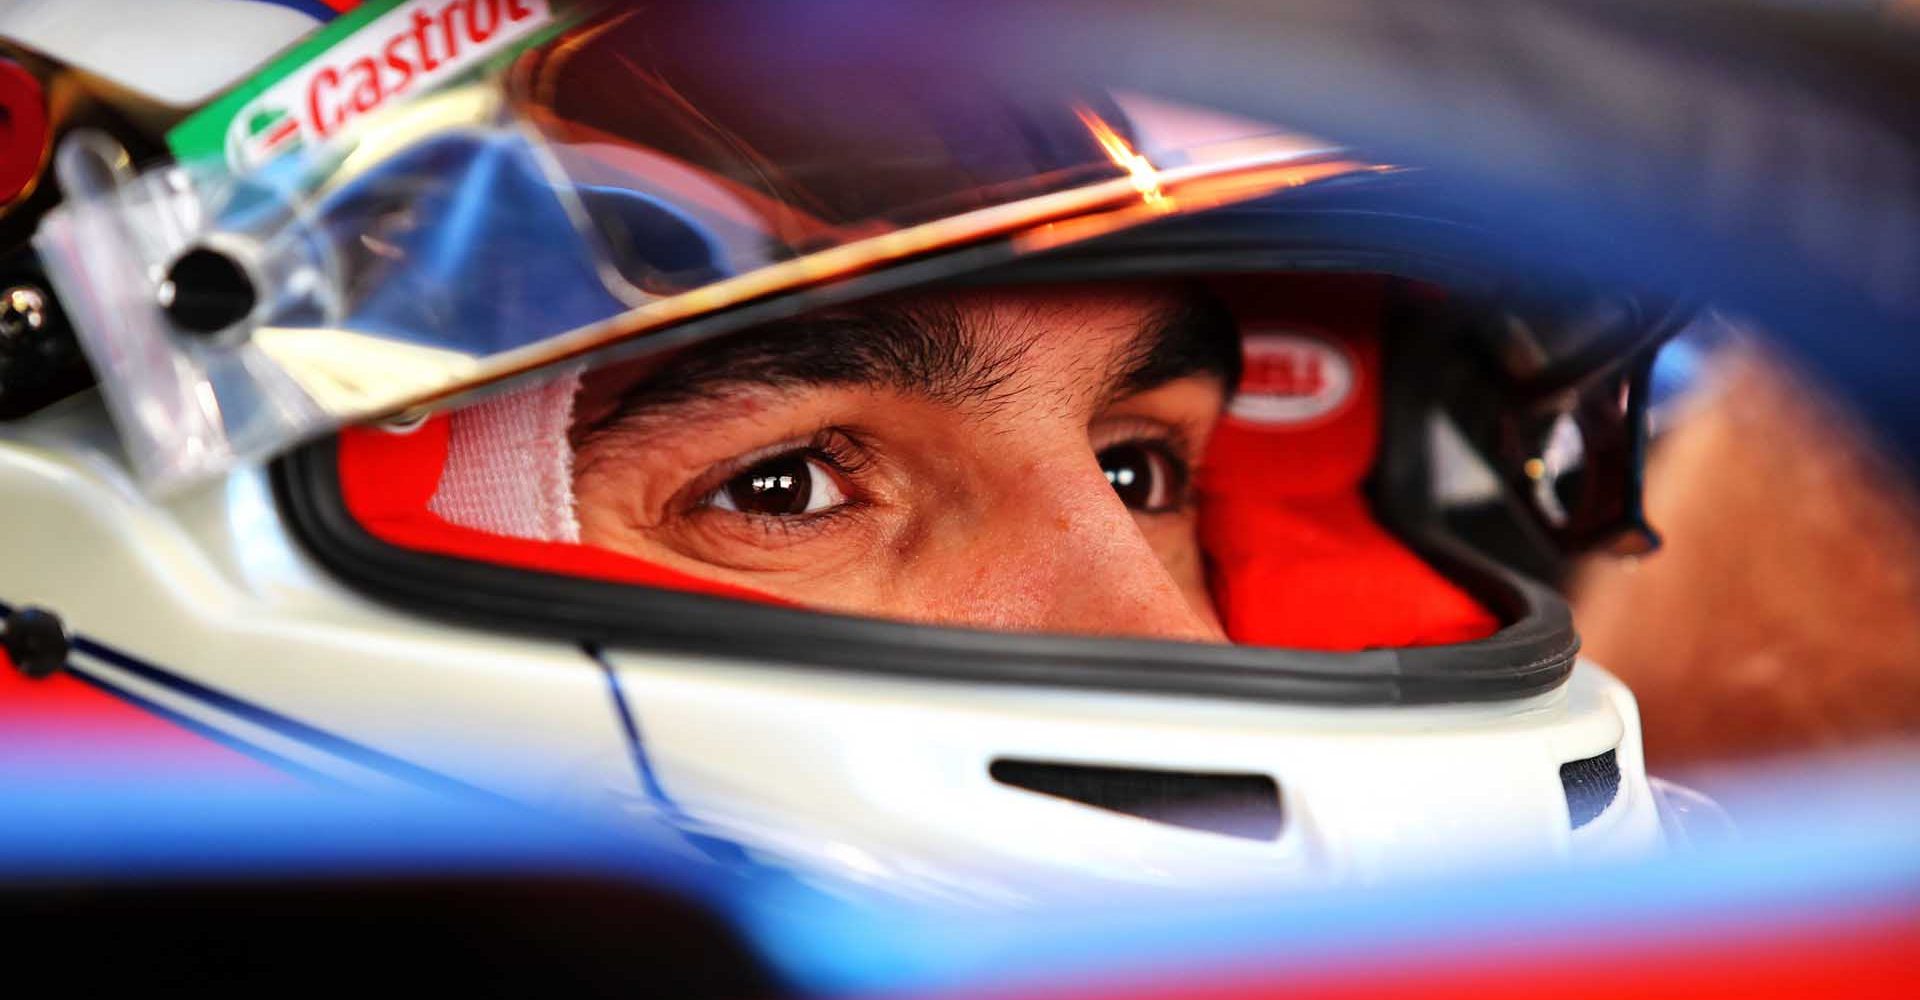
1145,476
779,486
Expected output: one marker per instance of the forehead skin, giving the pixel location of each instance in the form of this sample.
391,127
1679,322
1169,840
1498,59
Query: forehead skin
973,350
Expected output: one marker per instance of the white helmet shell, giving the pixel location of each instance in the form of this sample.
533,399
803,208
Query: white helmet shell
177,52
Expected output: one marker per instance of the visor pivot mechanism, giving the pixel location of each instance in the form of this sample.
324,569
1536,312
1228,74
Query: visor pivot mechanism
207,291
36,641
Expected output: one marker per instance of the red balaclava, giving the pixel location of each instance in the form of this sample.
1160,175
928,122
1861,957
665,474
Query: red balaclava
1297,558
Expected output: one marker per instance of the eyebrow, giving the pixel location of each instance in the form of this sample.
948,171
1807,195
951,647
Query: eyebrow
926,349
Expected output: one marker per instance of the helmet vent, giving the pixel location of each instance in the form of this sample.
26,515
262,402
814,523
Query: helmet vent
1591,784
1236,805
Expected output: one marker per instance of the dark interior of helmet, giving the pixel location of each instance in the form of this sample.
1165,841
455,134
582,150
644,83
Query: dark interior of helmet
1297,556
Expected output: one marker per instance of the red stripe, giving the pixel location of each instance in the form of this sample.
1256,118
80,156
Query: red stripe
282,130
62,723
387,481
341,6
1869,957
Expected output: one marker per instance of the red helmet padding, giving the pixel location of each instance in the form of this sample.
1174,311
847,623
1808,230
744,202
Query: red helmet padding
387,479
1297,558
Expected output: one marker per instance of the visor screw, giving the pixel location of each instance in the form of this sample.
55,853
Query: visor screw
23,311
36,641
207,291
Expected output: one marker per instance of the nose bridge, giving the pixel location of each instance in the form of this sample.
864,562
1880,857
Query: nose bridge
1079,558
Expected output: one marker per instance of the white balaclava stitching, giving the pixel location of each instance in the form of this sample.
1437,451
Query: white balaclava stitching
509,465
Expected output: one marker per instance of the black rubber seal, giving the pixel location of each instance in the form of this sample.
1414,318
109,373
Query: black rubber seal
1532,655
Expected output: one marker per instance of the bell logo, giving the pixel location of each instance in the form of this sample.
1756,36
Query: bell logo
1289,379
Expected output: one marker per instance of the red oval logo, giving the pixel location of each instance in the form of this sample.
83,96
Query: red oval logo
1291,379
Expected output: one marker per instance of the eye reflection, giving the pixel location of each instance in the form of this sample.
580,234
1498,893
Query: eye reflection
1146,476
783,486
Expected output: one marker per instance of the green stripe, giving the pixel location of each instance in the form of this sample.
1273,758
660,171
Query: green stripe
205,133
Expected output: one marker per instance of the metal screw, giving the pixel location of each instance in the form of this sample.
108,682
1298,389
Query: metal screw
23,310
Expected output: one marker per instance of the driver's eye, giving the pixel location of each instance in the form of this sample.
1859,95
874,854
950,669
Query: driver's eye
797,482
1147,477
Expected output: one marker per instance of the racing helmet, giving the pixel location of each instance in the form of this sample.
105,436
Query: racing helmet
355,318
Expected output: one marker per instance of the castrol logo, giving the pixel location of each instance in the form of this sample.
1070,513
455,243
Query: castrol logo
410,49
1291,379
